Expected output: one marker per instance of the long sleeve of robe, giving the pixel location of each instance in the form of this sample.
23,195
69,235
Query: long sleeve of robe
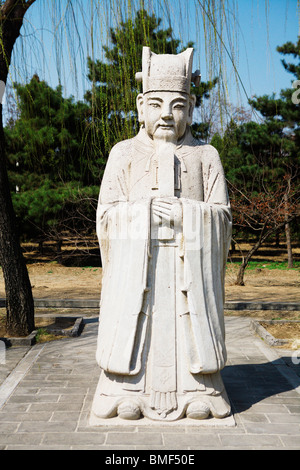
123,228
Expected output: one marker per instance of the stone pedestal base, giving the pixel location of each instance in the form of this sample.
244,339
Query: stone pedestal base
229,421
111,410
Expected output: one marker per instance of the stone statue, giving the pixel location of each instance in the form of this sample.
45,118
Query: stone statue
164,227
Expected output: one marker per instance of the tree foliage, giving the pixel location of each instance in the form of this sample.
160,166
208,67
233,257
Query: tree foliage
51,162
48,136
262,163
114,87
57,148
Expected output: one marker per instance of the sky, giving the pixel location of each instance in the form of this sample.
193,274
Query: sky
259,27
259,63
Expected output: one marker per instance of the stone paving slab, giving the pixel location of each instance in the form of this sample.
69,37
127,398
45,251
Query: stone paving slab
49,406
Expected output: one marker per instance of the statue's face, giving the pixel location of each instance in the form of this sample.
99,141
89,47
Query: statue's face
165,114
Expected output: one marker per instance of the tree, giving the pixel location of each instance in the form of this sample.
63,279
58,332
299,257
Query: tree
216,22
114,87
52,159
285,114
263,214
49,134
51,163
19,301
262,162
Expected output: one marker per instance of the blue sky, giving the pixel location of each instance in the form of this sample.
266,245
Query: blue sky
259,63
261,26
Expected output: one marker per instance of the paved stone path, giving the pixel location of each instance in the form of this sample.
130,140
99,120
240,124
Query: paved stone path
46,393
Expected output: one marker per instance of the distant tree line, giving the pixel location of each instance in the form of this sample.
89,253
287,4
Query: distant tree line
57,148
53,150
262,163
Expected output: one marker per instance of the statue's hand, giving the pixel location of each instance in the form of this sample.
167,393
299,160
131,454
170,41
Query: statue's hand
167,209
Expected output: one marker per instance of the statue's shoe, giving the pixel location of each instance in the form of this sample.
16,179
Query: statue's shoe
129,409
197,410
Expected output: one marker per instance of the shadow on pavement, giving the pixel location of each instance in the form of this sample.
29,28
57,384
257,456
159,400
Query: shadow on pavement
248,384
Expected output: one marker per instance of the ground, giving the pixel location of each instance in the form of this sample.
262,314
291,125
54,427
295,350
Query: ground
49,279
52,280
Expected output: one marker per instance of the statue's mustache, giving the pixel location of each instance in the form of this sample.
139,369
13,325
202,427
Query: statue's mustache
164,124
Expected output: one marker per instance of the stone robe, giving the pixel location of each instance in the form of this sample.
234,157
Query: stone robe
161,326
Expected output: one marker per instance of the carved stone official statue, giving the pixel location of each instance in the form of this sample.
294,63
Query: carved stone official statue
164,227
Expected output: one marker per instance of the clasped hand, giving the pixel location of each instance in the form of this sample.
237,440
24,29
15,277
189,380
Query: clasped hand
166,209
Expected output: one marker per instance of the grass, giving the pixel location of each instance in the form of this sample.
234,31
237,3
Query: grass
44,336
90,268
282,265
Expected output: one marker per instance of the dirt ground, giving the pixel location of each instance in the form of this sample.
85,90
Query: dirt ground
52,280
55,281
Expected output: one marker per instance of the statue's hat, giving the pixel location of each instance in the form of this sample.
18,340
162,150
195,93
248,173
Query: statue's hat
167,72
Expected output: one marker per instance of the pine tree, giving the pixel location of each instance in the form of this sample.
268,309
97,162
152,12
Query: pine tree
114,87
48,137
50,161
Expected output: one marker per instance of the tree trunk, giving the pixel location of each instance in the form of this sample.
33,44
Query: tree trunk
277,240
289,245
288,234
19,301
241,272
59,251
240,276
263,236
